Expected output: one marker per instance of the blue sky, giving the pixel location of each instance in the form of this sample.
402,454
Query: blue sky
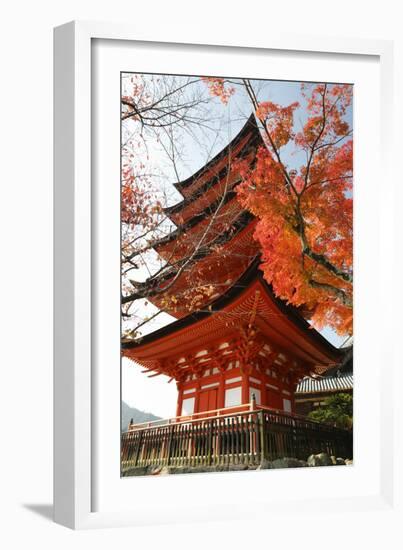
229,119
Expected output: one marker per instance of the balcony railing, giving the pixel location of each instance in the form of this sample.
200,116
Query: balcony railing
240,437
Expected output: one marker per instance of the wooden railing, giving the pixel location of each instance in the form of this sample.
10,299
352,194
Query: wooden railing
195,416
246,437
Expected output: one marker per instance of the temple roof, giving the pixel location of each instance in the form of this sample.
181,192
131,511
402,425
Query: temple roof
326,384
249,126
251,295
240,237
242,220
209,218
213,185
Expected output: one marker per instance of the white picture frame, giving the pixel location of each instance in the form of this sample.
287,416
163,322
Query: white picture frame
75,392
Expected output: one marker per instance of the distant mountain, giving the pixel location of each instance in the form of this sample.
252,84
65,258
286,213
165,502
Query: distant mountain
138,416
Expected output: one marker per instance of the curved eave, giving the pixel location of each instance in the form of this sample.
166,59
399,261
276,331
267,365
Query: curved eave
238,226
248,126
215,179
218,304
243,219
251,276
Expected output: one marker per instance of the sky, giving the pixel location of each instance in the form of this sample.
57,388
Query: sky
155,394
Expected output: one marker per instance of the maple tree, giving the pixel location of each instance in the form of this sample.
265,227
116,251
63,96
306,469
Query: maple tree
305,210
219,88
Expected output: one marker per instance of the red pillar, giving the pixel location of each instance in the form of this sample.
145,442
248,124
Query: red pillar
245,387
221,392
179,403
197,397
263,388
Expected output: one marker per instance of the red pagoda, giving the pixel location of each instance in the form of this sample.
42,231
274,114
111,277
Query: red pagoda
233,343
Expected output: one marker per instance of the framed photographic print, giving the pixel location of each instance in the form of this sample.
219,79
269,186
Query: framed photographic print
217,215
220,277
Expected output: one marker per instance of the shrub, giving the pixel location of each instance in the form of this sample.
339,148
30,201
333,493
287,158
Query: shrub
336,410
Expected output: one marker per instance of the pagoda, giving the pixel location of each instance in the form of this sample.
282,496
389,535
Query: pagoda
233,342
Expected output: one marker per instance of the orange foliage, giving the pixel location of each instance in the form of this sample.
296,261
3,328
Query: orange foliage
218,88
279,121
306,214
139,204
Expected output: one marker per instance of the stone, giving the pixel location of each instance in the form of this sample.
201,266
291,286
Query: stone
288,462
220,468
138,471
184,469
348,462
320,459
333,459
265,465
340,461
155,470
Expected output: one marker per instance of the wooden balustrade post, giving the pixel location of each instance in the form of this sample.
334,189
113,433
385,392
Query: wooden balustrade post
140,442
171,431
263,439
210,442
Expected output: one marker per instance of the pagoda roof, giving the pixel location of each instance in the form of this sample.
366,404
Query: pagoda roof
230,235
241,221
179,206
250,127
220,200
282,324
